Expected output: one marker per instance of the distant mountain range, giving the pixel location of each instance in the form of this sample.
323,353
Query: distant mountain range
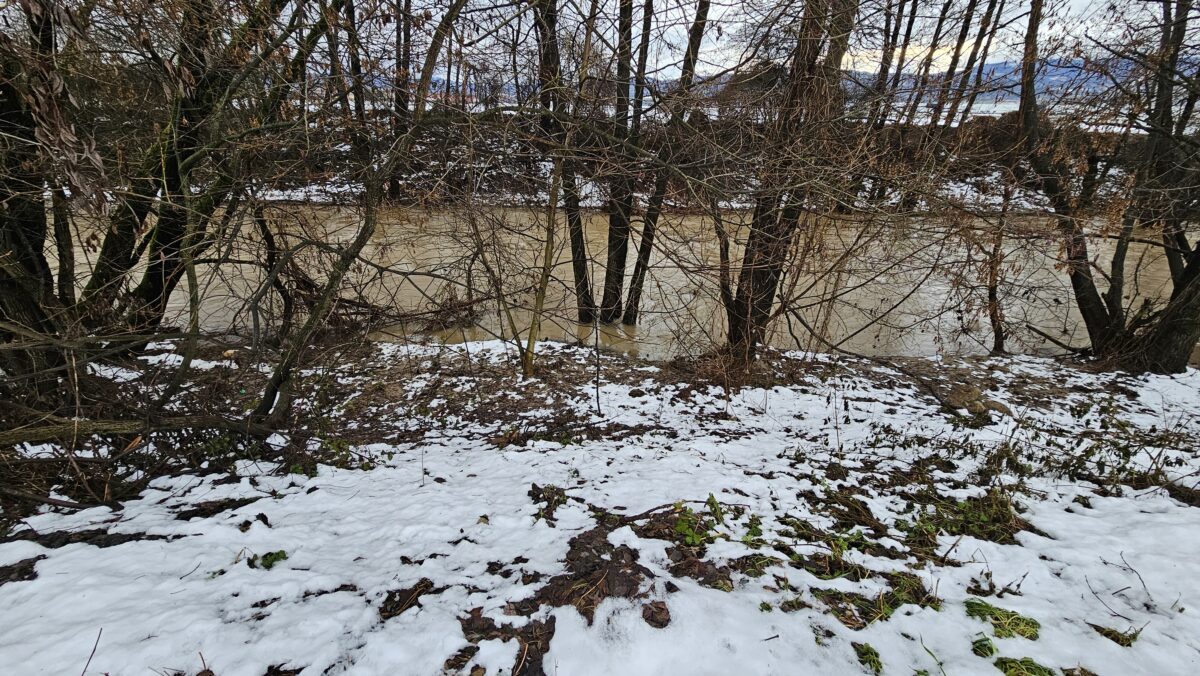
1001,79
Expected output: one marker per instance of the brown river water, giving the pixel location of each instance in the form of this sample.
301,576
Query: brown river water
912,287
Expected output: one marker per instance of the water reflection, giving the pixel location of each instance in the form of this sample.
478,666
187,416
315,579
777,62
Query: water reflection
899,287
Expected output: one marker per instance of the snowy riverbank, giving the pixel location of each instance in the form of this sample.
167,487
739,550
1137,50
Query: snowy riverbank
839,521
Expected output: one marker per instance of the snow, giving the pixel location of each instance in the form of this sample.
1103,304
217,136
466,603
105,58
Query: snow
327,192
986,194
173,360
454,508
112,372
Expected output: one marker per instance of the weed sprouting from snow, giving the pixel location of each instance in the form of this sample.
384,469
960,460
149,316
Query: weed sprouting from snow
1022,667
267,561
753,536
1005,623
868,656
983,646
857,610
696,529
1122,638
553,497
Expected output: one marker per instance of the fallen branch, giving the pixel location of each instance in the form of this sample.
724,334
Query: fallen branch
1052,339
77,428
54,502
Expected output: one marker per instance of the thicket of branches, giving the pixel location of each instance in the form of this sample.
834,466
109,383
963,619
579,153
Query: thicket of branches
150,147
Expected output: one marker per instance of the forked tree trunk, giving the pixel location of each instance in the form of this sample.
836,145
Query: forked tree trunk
163,164
977,86
918,93
956,98
620,201
1162,342
1167,345
666,156
763,261
813,101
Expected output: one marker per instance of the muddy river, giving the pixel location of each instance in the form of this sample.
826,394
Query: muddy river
886,287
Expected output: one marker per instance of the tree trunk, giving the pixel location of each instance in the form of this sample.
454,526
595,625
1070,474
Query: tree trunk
64,247
813,101
893,20
639,79
1168,346
666,156
995,264
948,76
161,169
26,285
918,93
981,62
620,201
1168,343
193,108
550,92
901,61
586,305
771,232
956,98
403,18
275,399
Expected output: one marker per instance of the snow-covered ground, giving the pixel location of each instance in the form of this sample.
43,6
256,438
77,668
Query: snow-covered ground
840,522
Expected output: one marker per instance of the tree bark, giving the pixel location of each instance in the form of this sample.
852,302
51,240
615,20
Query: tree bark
981,62
26,286
666,156
918,93
985,24
948,76
620,201
813,102
551,89
400,113
64,247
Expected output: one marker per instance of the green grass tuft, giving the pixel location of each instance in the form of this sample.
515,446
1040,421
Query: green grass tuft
1006,623
267,561
868,656
983,647
1022,667
1121,638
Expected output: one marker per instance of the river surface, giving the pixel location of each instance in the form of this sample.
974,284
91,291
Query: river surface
913,287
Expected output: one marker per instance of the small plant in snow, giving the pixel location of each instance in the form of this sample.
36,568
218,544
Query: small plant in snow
1022,667
754,531
983,646
1121,638
714,508
844,542
695,529
1006,623
868,656
266,561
